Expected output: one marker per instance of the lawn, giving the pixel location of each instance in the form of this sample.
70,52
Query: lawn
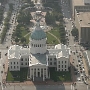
51,39
27,38
55,32
17,75
60,76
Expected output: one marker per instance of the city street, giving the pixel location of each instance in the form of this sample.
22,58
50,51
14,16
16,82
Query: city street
7,40
77,63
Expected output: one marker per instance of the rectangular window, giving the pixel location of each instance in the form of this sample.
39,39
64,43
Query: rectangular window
17,62
21,63
58,62
50,63
14,62
65,62
58,66
11,62
62,61
65,69
50,59
62,66
55,59
65,66
17,66
28,59
11,67
25,63
14,67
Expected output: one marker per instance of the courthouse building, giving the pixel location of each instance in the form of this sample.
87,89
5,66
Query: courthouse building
39,57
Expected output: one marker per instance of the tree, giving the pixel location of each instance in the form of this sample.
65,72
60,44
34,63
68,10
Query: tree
23,39
49,18
75,32
16,40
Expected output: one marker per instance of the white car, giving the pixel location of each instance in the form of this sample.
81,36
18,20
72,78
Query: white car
82,75
78,79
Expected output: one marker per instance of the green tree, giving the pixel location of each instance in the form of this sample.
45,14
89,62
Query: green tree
49,19
75,32
23,39
16,40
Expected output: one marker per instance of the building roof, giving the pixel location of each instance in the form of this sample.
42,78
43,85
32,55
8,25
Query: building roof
60,50
38,59
17,51
38,33
78,2
84,19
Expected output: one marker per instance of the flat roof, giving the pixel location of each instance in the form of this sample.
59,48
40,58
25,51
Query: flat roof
78,2
38,59
84,19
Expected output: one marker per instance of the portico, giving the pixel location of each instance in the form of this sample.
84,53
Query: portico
40,71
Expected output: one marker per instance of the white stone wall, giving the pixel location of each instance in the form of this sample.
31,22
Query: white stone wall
24,61
62,64
38,46
14,64
52,62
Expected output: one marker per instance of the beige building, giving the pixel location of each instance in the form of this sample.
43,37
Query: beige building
80,6
82,22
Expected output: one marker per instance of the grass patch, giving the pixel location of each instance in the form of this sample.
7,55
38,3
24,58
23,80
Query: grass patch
55,32
51,39
17,75
60,75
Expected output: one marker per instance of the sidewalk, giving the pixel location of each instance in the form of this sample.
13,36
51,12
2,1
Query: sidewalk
5,71
49,82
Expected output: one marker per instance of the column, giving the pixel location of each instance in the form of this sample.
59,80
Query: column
43,74
36,72
46,73
33,74
40,72
30,73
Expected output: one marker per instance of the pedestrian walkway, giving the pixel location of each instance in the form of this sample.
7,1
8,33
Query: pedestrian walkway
5,71
49,82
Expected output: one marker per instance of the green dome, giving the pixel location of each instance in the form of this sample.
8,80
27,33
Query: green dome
38,34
